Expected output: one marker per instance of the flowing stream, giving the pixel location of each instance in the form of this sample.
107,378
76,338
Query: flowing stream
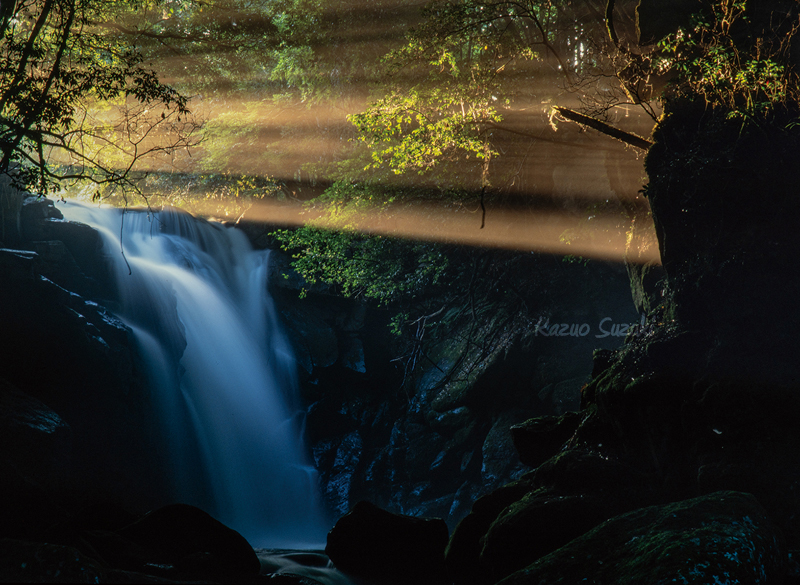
195,295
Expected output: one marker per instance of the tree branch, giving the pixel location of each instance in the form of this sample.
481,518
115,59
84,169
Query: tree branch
165,35
612,34
608,129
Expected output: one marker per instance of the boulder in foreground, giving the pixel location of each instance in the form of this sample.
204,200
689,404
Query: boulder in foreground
387,548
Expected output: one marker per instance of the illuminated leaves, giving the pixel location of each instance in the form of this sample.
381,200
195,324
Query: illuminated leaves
379,268
422,128
746,74
57,61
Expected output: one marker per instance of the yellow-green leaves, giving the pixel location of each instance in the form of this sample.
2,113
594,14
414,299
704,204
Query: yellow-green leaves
717,59
423,127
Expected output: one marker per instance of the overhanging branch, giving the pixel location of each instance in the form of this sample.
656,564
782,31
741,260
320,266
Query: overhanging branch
607,129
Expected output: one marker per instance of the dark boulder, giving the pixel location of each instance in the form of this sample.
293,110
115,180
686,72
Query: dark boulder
387,548
190,538
537,525
724,537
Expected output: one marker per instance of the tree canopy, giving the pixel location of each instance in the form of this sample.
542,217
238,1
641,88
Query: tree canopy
77,100
373,108
427,87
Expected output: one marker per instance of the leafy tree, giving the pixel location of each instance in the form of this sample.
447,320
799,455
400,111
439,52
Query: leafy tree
735,59
474,62
59,60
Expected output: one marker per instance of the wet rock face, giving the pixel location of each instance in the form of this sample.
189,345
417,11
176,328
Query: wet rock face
430,439
73,399
36,440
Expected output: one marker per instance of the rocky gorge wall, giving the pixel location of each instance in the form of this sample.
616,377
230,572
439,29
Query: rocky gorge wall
75,406
430,446
670,457
428,441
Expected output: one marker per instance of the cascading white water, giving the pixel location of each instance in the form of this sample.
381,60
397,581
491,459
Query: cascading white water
195,295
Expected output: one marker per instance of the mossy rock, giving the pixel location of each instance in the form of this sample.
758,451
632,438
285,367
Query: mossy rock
724,537
574,491
537,525
578,471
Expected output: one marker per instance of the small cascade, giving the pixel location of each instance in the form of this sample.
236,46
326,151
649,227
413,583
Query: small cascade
195,295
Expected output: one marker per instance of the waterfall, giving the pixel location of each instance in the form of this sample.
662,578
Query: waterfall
195,295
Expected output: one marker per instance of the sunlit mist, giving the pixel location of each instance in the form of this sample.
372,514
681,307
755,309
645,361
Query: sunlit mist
551,186
598,237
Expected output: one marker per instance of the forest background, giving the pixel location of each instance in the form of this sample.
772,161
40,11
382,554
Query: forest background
366,123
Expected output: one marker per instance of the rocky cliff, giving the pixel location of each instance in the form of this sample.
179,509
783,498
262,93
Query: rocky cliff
426,432
702,398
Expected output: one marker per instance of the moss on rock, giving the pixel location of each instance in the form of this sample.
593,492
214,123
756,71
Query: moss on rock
724,537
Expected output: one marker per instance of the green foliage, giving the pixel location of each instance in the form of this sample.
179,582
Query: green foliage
418,129
281,50
336,250
570,259
454,76
375,267
723,59
436,124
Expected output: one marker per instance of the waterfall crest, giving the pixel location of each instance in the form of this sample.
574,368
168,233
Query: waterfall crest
195,295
